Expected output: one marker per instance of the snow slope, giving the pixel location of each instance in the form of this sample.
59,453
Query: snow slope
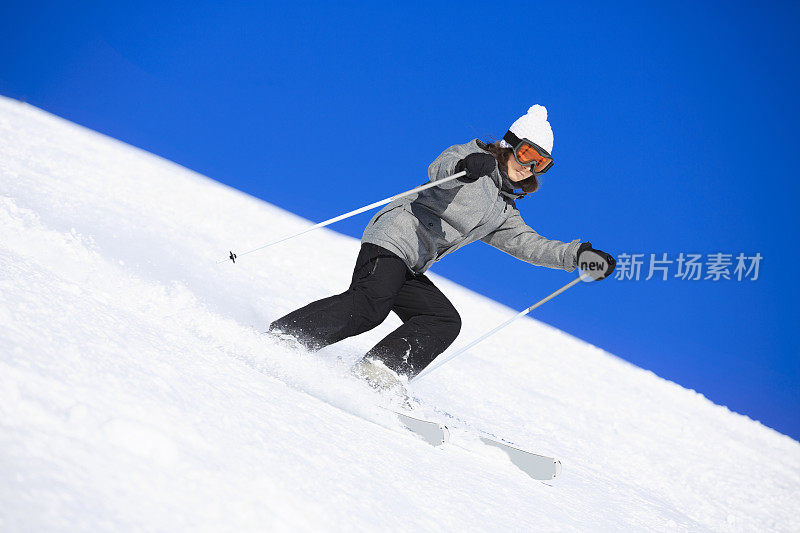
137,393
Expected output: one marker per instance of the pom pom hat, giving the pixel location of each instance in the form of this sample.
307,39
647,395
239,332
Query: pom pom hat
533,126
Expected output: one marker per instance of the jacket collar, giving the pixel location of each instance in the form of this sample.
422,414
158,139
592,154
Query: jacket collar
508,187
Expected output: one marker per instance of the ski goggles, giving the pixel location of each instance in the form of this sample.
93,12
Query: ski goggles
529,154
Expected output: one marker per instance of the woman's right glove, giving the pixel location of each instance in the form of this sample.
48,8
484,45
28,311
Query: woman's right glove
599,264
476,165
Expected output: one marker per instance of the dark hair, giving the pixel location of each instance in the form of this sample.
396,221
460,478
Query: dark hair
503,154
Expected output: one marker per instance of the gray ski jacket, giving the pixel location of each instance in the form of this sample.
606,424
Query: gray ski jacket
424,227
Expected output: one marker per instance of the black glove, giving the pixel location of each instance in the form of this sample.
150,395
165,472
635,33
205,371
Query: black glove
476,165
590,260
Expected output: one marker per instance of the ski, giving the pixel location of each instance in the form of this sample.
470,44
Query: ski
433,433
539,467
536,466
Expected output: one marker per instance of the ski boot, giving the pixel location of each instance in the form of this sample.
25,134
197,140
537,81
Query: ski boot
383,379
286,341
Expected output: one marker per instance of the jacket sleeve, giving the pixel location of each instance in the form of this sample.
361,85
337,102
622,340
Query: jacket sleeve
520,240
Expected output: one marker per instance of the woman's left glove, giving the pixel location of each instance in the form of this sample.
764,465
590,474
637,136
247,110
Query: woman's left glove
599,264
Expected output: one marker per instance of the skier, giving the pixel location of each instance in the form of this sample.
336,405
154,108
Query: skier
406,237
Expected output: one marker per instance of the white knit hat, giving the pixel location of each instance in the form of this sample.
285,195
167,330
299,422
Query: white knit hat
533,126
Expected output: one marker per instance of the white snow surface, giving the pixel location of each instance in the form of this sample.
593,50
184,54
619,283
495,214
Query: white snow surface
137,390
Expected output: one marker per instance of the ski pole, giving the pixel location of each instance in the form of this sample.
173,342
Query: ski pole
232,256
430,368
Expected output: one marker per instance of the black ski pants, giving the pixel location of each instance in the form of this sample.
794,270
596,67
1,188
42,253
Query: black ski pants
381,283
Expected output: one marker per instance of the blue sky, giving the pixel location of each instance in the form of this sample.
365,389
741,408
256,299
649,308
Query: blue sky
675,131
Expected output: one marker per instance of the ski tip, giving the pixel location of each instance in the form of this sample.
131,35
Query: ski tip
557,470
445,433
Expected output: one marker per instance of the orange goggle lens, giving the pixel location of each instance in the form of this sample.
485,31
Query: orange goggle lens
528,154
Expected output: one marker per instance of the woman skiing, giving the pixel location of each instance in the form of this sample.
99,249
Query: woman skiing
406,237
